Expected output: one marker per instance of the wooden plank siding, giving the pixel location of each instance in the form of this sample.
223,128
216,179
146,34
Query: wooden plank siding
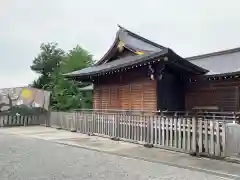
128,91
140,95
223,94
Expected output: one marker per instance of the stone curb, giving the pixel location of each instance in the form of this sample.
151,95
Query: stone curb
227,159
217,173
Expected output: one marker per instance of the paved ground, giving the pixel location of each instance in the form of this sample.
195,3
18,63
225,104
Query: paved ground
25,155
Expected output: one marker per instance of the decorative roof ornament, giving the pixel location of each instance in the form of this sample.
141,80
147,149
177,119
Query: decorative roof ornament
120,46
139,52
165,58
152,77
152,71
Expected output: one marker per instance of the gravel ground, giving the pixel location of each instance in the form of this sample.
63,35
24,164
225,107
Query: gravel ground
31,159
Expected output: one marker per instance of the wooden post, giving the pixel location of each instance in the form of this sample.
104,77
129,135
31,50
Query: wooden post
1,121
167,131
118,126
188,135
217,149
200,136
124,125
73,122
76,121
184,134
194,135
135,126
163,129
237,98
151,118
85,124
175,132
212,137
159,130
149,130
141,127
25,120
206,141
179,123
155,129
129,125
171,132
60,118
224,137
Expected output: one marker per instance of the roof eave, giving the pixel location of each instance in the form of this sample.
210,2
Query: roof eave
142,60
213,54
196,69
224,74
142,38
112,50
166,52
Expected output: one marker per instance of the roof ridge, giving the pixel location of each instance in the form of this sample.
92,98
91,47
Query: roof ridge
216,53
113,47
141,37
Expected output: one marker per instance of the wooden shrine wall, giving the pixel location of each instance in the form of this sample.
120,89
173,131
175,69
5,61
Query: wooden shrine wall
127,91
223,94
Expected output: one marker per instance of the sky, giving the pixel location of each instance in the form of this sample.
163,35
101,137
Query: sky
189,27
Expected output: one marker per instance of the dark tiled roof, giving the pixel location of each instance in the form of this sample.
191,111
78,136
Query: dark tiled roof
131,41
134,60
116,64
222,62
217,63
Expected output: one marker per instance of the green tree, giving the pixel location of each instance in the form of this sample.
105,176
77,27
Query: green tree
48,60
52,63
77,58
67,94
46,63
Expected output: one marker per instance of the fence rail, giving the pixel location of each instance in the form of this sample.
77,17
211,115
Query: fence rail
180,133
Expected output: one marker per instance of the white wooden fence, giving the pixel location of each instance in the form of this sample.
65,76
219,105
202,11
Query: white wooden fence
233,139
179,133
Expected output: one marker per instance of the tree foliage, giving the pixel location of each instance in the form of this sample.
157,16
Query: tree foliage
51,63
76,59
46,63
48,60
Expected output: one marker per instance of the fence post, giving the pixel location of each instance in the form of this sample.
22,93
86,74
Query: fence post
1,121
152,129
115,128
48,116
194,135
59,117
224,137
24,120
149,132
90,123
73,122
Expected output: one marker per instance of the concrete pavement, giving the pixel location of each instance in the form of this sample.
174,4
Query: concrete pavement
177,160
